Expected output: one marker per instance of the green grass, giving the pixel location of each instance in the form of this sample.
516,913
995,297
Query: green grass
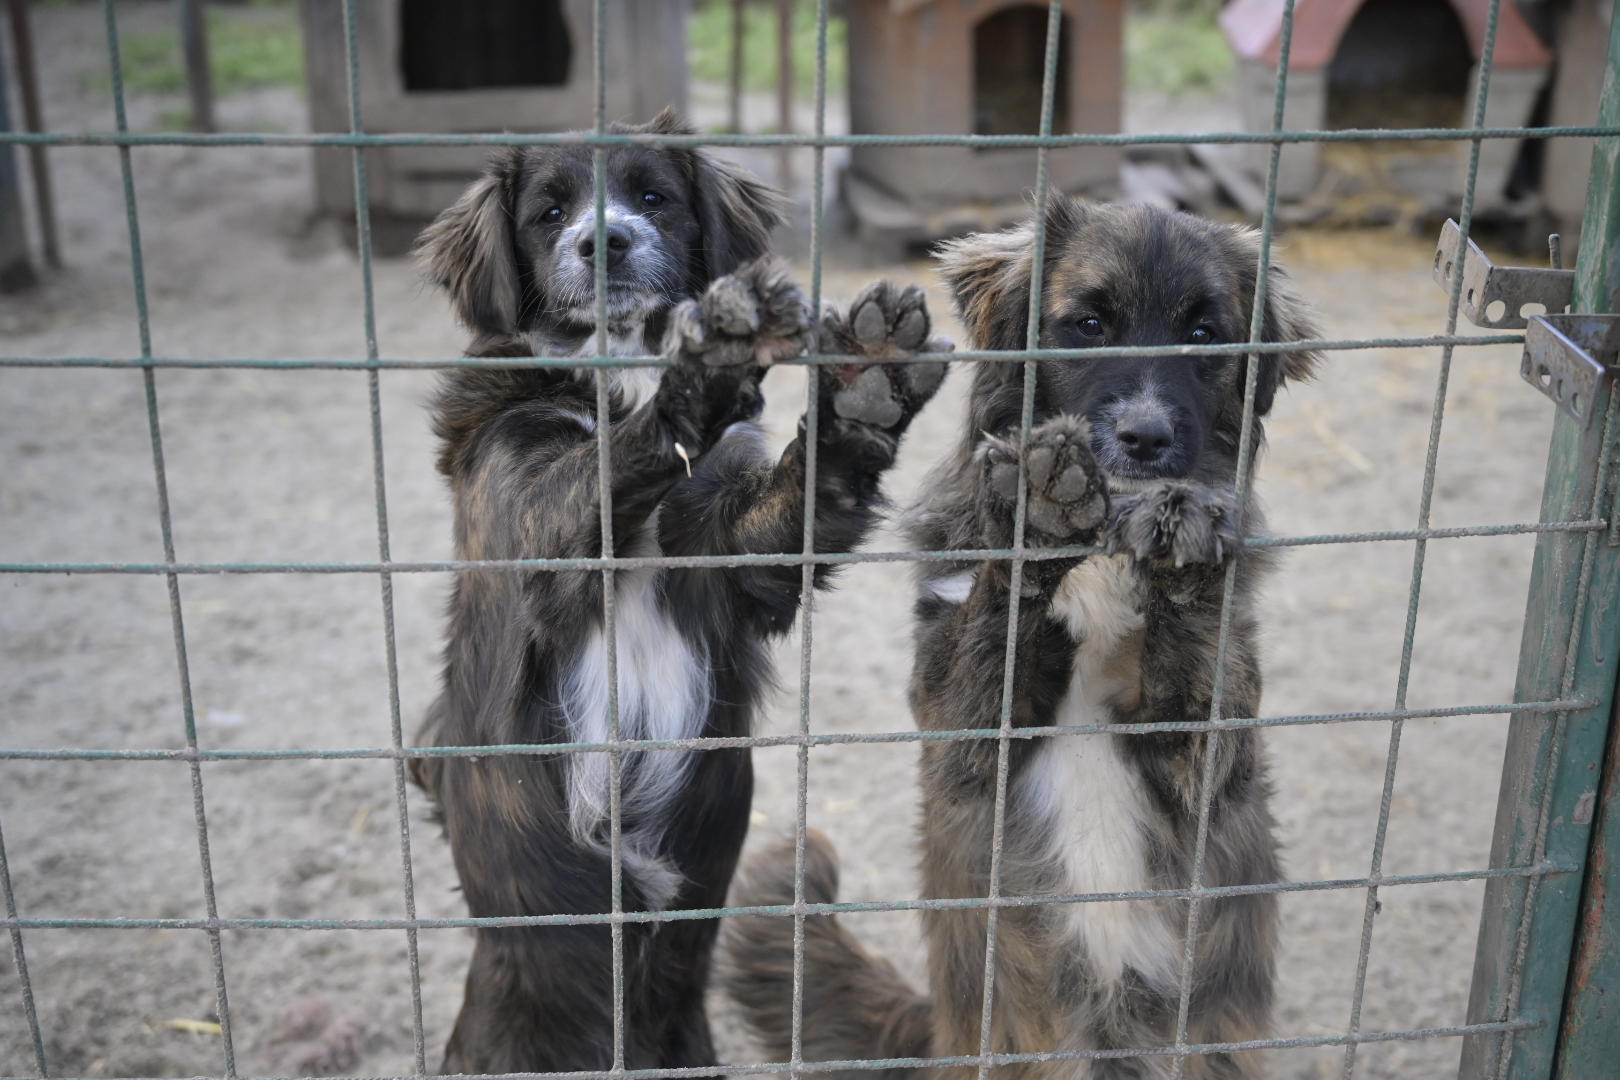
1175,48
249,47
709,46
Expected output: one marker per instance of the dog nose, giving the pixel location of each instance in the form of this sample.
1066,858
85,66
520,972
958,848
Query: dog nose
618,244
1145,437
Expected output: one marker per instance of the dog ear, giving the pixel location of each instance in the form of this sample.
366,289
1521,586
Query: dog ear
469,252
736,212
1287,318
667,122
989,276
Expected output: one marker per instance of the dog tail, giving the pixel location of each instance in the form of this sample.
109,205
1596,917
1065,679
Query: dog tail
856,1005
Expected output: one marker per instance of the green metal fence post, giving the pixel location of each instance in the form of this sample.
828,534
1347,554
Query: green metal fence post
1552,771
1589,1034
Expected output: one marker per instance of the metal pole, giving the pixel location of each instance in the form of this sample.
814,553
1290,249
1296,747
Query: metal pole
22,41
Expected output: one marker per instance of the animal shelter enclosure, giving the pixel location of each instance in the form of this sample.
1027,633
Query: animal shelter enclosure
1545,954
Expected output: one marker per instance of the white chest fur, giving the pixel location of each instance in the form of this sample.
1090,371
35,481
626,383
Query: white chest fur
636,384
663,694
1090,799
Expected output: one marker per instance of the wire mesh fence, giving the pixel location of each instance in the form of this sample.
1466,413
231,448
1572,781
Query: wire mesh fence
1589,526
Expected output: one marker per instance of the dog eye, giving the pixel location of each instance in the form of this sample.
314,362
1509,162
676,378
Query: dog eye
552,216
1091,327
651,198
1202,335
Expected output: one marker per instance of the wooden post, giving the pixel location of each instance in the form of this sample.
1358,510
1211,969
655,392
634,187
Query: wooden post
739,30
16,273
784,90
199,79
22,40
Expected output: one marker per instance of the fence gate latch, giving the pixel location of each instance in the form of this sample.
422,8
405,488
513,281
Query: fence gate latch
1495,296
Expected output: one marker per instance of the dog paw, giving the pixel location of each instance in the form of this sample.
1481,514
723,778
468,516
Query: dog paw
884,325
1174,522
1067,497
718,346
754,315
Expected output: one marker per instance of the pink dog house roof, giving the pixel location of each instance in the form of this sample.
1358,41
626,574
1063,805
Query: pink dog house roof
1254,30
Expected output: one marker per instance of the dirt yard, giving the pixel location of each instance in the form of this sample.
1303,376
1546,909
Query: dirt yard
276,466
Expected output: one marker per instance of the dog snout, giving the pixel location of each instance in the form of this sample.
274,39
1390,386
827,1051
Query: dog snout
1145,433
619,240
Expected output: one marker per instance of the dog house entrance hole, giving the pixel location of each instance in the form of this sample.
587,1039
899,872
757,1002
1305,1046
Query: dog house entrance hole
492,43
1009,58
1400,64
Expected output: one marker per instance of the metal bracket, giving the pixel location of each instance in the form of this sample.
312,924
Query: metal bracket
1570,357
1485,285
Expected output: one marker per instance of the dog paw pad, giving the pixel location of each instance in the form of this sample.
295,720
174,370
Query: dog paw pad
868,399
912,330
869,325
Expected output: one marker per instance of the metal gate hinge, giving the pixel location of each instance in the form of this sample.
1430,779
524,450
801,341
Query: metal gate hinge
1485,285
1569,358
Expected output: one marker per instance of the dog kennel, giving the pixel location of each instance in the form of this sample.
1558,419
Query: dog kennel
1387,64
497,65
974,67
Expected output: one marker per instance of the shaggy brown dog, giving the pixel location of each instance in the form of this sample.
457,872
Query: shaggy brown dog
1140,455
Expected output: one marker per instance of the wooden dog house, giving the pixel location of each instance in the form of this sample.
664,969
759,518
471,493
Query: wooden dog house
974,67
1387,63
493,65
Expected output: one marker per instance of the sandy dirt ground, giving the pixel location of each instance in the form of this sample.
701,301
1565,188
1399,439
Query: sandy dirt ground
276,466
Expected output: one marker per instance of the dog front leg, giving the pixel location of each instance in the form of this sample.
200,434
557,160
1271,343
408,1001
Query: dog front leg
961,654
525,499
735,506
1182,536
